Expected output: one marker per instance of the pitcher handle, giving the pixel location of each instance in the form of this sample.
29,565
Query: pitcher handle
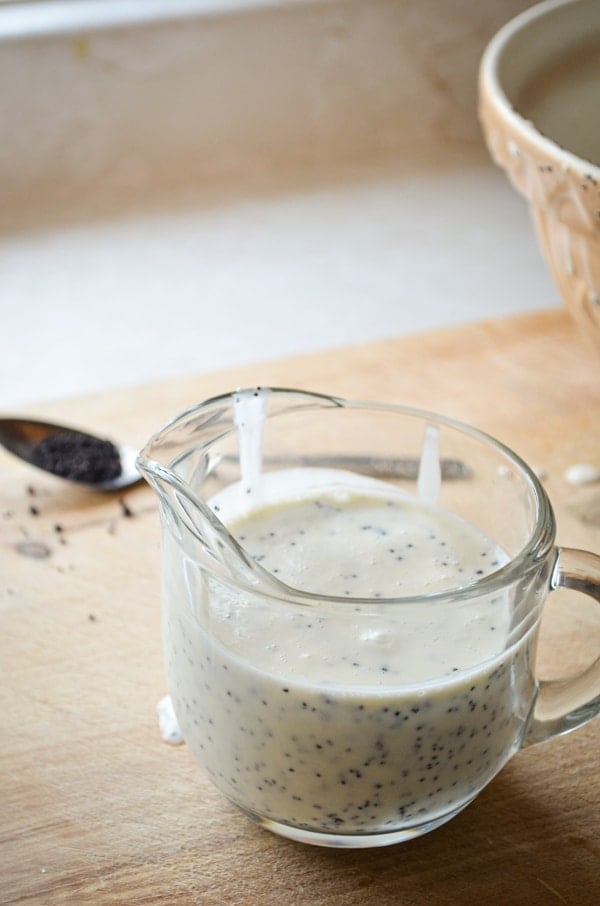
564,705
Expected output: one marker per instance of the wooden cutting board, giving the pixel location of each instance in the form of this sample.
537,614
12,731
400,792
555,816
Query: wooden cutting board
96,809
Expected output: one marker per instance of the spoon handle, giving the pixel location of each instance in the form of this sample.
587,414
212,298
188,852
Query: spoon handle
379,467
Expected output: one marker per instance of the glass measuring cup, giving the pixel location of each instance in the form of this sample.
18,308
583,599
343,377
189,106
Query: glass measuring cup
334,716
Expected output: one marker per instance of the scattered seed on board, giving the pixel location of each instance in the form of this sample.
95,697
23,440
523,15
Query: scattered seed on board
125,508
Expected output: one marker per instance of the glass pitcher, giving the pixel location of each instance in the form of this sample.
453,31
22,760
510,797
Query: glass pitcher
351,598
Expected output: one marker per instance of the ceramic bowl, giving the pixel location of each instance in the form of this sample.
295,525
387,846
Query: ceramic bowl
539,104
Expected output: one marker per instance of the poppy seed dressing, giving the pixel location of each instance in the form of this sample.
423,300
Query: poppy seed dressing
354,714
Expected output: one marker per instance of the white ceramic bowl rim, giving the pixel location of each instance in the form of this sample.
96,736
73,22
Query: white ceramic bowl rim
491,84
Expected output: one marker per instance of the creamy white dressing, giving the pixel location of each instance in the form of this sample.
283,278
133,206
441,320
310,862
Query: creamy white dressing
362,546
167,722
335,715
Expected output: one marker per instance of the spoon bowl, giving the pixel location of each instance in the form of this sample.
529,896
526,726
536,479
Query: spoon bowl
71,454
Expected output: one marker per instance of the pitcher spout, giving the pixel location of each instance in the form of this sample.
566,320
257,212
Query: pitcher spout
185,488
206,466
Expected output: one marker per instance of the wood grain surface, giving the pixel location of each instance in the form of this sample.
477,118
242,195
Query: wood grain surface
96,809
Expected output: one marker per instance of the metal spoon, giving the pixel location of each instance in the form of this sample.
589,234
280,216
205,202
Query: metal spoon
71,454
79,456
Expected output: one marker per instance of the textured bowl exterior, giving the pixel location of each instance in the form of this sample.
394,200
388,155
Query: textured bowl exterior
564,197
563,190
